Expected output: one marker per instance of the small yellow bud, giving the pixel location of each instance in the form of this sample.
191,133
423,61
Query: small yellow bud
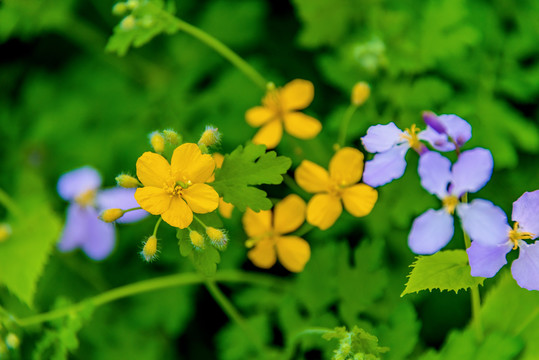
210,137
270,86
127,181
119,9
111,215
12,341
196,239
157,141
149,251
360,93
132,4
5,232
171,137
128,23
217,237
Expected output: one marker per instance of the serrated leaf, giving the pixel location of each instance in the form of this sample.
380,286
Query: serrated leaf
184,242
206,260
24,254
445,270
245,167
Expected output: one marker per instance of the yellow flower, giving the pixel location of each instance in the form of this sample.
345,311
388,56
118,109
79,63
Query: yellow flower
225,209
176,190
265,231
345,170
279,108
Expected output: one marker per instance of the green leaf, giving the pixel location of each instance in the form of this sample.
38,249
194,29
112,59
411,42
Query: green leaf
445,270
34,232
205,260
245,167
401,333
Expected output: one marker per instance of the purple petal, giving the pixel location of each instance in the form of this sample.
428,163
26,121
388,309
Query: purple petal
386,166
431,119
526,212
381,138
471,171
100,239
77,182
487,260
525,269
484,222
438,141
457,128
123,199
435,173
431,231
76,226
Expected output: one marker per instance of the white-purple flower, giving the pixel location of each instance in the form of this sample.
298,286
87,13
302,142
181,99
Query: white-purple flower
492,238
390,145
433,229
83,229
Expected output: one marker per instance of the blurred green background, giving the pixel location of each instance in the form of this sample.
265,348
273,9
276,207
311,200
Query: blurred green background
65,102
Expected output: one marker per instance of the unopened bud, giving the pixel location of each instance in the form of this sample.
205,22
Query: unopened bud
217,237
270,86
157,141
171,137
127,181
149,251
119,9
128,22
111,215
210,137
5,232
360,93
431,119
12,341
196,239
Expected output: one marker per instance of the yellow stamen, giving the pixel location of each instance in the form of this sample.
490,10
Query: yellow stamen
86,198
450,203
515,235
411,136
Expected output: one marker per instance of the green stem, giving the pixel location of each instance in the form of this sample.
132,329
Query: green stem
224,51
151,285
341,141
157,225
9,204
289,181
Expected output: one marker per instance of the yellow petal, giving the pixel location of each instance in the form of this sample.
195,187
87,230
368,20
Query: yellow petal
301,126
218,158
152,199
263,254
189,164
270,134
257,223
293,252
201,198
153,170
297,94
225,209
289,214
323,210
346,166
259,115
178,214
312,177
359,199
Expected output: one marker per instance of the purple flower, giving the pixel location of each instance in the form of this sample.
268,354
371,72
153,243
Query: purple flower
83,229
390,145
492,238
433,229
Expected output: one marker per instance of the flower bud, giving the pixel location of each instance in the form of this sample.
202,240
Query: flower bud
157,141
210,137
360,93
217,237
111,215
12,341
127,181
149,251
128,23
119,9
431,119
172,137
5,232
196,239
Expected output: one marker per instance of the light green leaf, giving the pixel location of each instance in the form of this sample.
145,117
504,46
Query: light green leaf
245,167
445,270
401,333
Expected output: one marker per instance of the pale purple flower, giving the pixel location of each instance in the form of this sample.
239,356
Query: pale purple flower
390,145
83,229
492,238
433,229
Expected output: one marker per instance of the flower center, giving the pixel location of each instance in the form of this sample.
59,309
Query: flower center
450,203
335,189
173,190
255,240
410,135
515,235
86,198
